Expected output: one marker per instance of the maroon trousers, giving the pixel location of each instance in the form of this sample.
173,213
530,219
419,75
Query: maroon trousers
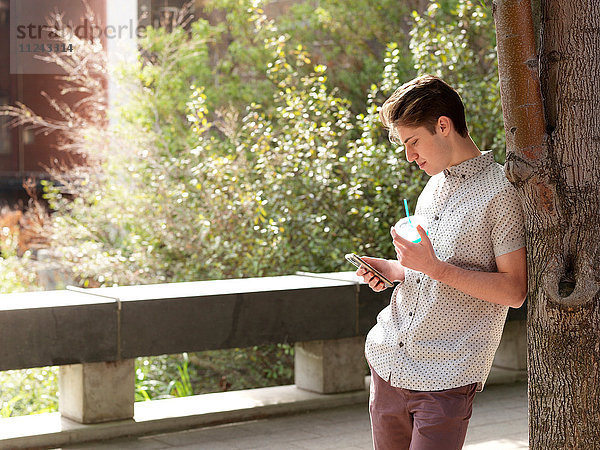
403,419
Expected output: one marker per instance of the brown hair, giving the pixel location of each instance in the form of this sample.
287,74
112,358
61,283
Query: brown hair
421,102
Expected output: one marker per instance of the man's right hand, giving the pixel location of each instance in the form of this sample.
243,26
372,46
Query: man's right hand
391,269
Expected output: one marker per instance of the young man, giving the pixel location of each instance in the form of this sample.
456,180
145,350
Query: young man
432,347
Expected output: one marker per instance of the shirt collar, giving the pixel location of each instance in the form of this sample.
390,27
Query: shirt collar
471,166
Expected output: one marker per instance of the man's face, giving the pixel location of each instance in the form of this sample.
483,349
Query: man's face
428,150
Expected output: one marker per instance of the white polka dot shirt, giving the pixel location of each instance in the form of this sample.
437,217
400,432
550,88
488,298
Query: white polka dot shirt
432,336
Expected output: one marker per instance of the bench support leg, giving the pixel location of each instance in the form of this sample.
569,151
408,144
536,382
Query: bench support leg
97,392
330,366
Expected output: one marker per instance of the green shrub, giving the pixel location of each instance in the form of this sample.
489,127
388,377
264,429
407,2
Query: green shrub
17,272
30,391
350,38
213,371
235,195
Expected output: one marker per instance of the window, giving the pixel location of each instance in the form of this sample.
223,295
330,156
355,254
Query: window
4,130
4,12
167,17
165,13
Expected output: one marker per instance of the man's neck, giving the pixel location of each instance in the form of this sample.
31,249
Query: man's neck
464,149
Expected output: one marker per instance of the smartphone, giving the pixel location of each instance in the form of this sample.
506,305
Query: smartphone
358,261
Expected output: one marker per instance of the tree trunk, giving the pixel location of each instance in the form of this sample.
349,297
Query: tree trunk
553,158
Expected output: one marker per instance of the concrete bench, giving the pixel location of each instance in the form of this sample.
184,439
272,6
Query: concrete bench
95,334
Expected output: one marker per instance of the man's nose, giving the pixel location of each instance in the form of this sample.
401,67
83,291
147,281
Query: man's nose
410,155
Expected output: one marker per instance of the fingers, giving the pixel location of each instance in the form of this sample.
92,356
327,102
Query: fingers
398,240
376,284
361,271
398,254
373,281
422,233
370,278
380,286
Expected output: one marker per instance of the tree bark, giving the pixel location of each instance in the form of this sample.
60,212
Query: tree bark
553,159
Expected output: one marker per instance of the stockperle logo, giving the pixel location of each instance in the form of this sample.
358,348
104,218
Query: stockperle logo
41,29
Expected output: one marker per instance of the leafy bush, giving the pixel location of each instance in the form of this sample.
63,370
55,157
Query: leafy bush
351,37
16,274
30,391
213,371
229,197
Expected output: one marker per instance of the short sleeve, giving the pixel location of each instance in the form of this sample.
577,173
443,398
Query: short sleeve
508,230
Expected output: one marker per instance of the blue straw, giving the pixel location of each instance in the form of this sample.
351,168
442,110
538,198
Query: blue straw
406,209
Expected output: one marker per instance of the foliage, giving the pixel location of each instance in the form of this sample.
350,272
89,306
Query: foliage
237,193
16,274
157,85
213,371
329,193
459,46
30,391
228,197
239,75
350,38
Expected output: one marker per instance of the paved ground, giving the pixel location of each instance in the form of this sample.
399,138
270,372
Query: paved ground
499,422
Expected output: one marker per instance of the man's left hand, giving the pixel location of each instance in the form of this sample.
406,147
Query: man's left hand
418,256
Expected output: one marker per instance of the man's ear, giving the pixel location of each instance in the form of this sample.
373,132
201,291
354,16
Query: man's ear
445,125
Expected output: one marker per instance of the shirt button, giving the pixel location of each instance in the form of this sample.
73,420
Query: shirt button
401,344
410,313
436,217
418,280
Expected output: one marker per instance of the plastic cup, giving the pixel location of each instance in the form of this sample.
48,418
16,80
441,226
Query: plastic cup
407,227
